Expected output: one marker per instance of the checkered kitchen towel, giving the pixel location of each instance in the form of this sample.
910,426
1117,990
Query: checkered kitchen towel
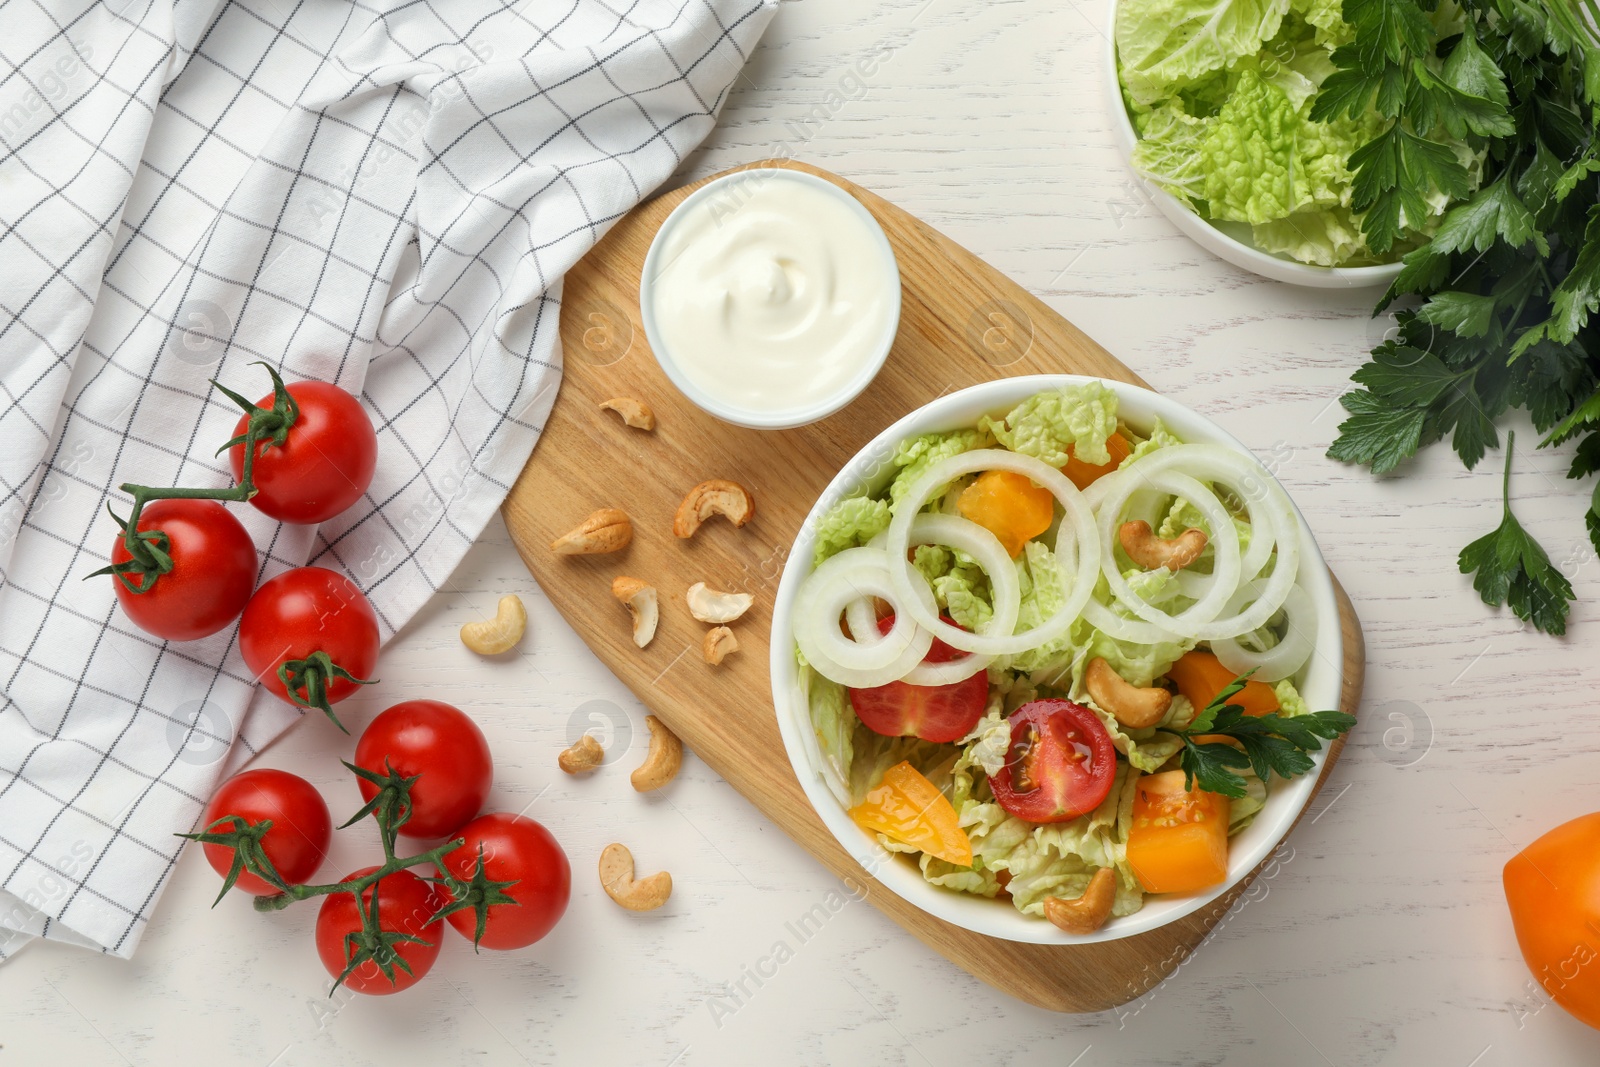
381,194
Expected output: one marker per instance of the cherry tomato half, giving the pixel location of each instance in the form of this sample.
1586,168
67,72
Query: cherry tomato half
1060,765
931,712
515,849
301,826
441,743
405,904
213,571
307,610
326,461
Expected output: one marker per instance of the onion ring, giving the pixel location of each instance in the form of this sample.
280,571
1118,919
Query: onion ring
983,546
1077,548
1273,522
835,586
1287,656
976,542
1225,544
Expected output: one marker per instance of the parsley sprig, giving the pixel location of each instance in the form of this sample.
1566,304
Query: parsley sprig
1387,68
1270,744
1500,299
1508,565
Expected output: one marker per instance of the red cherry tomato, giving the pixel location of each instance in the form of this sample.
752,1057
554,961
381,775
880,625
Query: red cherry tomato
213,571
514,849
442,744
326,461
405,904
931,712
307,610
1060,764
301,826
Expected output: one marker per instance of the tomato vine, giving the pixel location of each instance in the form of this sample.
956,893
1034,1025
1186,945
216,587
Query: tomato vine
390,807
150,549
150,552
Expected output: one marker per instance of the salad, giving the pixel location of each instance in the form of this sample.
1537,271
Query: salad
1052,658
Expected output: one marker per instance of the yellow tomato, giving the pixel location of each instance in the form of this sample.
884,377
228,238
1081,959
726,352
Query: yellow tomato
1085,474
910,809
1200,677
1553,889
1179,839
1009,506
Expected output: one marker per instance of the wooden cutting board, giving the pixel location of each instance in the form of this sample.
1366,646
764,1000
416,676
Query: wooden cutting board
961,322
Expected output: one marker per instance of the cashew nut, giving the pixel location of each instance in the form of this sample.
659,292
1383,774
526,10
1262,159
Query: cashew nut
708,605
499,634
666,756
1089,912
616,875
642,605
585,754
1142,545
607,530
635,413
716,497
1131,706
719,643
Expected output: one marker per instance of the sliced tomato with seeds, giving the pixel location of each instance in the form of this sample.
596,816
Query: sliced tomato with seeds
910,809
931,712
1060,764
1179,839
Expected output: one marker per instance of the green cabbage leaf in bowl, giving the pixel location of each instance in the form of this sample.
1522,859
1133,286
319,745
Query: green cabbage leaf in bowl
1220,93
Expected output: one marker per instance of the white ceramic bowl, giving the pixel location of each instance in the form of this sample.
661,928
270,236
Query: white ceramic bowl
1320,681
1229,241
727,185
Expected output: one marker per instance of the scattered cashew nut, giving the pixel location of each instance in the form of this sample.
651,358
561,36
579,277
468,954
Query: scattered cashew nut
708,605
1142,545
585,754
616,875
607,530
635,413
1089,912
1131,706
499,634
718,645
642,605
715,497
666,756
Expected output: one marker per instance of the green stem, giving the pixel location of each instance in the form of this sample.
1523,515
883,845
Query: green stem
390,807
1505,478
148,549
391,865
315,674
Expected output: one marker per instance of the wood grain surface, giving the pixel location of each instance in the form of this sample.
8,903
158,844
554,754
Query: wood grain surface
962,322
1379,939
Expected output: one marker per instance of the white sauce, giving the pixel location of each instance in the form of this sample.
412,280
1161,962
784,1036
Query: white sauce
771,295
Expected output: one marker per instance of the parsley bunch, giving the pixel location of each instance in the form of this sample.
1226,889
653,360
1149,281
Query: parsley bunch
1270,743
1500,298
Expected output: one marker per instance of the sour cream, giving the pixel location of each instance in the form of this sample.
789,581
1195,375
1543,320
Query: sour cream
770,297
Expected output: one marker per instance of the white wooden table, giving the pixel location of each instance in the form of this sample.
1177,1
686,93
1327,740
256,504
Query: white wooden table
1381,937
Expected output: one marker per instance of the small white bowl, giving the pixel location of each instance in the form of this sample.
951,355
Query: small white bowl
799,416
1210,236
1320,682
